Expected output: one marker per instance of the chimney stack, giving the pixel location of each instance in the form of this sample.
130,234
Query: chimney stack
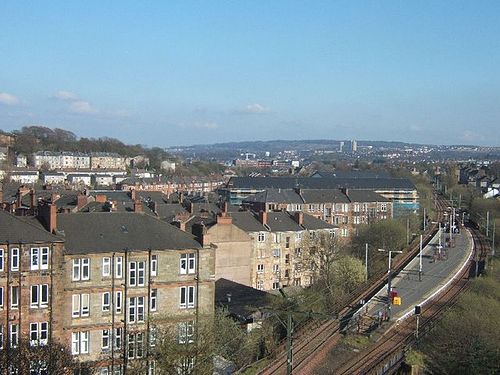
48,215
180,224
263,217
200,232
101,198
32,200
137,206
224,219
81,201
299,217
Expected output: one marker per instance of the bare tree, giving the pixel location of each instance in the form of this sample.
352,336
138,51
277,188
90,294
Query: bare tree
52,358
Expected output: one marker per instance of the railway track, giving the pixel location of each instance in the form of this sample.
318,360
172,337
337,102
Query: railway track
314,336
387,353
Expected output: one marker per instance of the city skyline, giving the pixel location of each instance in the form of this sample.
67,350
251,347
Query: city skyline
187,73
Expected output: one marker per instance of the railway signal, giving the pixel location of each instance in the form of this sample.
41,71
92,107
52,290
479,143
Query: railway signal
418,311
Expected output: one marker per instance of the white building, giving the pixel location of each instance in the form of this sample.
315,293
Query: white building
24,176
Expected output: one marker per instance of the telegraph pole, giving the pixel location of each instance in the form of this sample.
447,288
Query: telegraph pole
487,222
366,261
425,220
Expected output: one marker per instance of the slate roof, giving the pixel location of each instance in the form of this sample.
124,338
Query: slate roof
323,196
365,196
167,211
275,196
246,220
152,196
313,223
17,229
352,174
107,232
263,183
282,222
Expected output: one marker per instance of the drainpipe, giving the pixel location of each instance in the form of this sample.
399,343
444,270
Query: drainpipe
113,310
125,339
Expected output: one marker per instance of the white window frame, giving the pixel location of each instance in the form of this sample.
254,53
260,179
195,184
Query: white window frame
261,237
188,294
81,269
118,267
76,270
14,259
106,266
106,305
276,268
276,252
84,342
118,301
80,305
37,299
44,258
34,258
132,273
153,268
85,267
260,285
14,303
85,305
106,338
117,340
39,333
187,263
14,335
80,342
191,263
260,268
136,309
2,260
1,337
141,273
186,332
153,300
1,297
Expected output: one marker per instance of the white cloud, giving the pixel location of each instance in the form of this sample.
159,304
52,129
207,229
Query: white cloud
76,105
83,107
8,99
65,95
255,109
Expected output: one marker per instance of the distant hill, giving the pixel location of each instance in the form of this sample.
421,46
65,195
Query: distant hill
279,145
31,139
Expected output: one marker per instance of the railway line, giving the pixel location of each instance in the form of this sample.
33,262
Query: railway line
314,336
387,353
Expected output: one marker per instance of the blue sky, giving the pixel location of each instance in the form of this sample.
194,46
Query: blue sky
166,73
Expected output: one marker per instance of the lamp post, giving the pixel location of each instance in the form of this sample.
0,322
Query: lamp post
389,280
420,261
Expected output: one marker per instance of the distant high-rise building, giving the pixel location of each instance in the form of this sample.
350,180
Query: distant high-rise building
354,145
341,146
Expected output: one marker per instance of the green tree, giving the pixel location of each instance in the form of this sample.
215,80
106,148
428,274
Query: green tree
465,341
